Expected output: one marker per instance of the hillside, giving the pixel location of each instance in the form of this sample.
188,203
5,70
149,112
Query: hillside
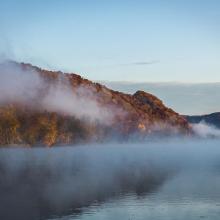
41,107
213,119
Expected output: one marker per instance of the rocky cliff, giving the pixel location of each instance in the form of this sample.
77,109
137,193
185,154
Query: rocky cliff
66,108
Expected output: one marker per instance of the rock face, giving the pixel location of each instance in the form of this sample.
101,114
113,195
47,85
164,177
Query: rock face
140,114
213,119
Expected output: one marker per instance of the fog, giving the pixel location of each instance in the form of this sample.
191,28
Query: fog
25,86
39,183
205,130
18,85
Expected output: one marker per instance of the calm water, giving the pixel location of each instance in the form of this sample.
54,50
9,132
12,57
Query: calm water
186,196
175,179
193,192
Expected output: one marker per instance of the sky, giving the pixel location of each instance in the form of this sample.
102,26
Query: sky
135,41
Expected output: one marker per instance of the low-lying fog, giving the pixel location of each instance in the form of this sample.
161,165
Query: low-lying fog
37,183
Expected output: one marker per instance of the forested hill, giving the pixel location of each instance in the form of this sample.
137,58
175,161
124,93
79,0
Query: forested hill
41,107
212,119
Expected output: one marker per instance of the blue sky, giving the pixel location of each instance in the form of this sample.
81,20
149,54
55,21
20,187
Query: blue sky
139,41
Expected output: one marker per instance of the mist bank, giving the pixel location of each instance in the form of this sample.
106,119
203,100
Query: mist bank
39,183
29,86
42,107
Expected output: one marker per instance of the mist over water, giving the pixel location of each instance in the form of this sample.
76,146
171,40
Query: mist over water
171,174
72,182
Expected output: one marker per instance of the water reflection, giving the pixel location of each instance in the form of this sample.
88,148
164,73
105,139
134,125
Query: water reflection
186,196
172,180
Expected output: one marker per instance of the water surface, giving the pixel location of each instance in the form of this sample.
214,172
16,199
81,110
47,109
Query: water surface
170,179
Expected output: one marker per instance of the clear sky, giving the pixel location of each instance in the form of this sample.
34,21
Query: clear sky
151,41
